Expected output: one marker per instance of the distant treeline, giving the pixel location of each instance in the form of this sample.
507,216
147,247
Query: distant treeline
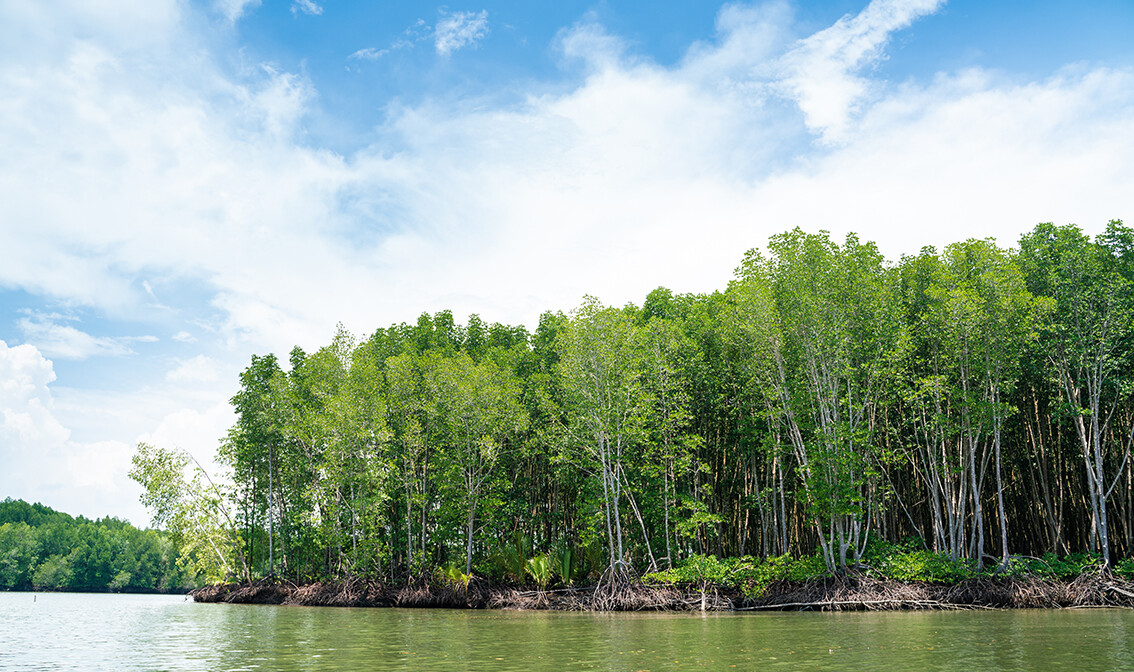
43,549
979,400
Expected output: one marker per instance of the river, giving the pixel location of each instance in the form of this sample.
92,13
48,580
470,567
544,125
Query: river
66,631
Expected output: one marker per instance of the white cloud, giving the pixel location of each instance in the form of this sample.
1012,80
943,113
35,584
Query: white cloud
280,102
458,30
25,404
611,174
98,466
184,337
307,7
41,461
369,54
451,33
608,174
233,10
819,72
199,369
590,42
66,342
749,37
197,431
372,54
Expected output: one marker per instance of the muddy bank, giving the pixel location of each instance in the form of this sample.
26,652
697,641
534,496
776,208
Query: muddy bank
838,593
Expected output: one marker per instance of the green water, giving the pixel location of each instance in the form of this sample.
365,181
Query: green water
129,632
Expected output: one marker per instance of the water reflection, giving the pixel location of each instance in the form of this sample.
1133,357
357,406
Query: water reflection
111,632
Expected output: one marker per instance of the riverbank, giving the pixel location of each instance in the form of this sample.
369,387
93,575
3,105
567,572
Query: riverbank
837,593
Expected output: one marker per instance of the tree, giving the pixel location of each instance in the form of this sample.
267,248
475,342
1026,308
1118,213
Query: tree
17,555
671,444
1086,341
479,407
604,407
838,324
990,317
192,509
405,415
252,450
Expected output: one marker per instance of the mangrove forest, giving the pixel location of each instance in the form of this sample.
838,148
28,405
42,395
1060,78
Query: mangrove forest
972,407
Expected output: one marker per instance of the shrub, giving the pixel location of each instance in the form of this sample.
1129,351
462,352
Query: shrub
539,568
453,573
923,565
749,575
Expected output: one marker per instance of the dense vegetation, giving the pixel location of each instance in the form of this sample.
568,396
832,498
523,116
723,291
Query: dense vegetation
47,550
827,404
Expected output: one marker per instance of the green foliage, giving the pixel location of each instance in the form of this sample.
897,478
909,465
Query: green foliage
705,569
905,561
1125,568
18,554
956,394
453,573
50,550
910,561
54,573
696,518
1066,567
539,567
511,561
121,580
192,508
564,561
750,575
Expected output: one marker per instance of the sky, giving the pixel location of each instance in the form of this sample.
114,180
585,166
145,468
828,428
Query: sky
186,184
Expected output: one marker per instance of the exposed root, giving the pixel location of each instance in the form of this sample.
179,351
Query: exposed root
353,593
846,592
1100,588
858,592
850,591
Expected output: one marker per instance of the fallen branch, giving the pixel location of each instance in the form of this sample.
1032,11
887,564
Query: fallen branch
1119,590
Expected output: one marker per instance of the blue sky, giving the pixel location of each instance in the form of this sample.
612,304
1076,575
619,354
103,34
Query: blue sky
184,184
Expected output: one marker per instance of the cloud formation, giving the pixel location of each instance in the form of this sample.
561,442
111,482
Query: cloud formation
608,174
41,461
458,30
233,10
305,7
821,71
64,341
199,369
25,403
369,54
453,31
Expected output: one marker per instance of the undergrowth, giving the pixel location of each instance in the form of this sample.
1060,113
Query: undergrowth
906,561
749,575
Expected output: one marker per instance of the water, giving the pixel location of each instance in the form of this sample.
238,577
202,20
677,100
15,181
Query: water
61,631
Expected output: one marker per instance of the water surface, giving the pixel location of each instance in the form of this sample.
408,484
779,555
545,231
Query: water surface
62,631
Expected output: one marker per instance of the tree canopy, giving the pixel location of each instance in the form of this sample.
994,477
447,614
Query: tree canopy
977,399
44,549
